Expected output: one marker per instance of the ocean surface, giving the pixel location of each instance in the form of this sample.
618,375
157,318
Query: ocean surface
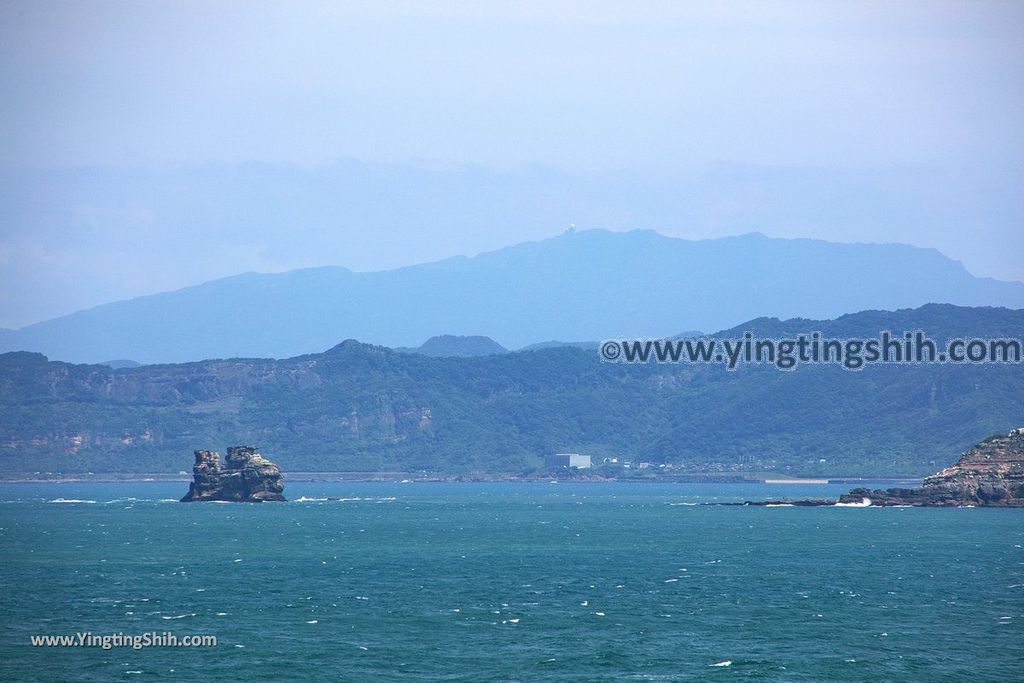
508,582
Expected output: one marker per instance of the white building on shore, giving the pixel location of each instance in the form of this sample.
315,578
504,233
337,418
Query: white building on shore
568,460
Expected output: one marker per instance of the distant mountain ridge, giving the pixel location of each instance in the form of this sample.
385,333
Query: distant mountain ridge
588,285
450,346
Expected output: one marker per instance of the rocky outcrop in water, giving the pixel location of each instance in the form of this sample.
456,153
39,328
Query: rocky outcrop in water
990,474
245,477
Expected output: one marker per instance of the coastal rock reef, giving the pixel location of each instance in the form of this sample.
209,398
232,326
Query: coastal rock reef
245,477
990,474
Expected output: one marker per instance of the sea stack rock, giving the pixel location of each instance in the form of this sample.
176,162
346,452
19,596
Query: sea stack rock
990,474
245,477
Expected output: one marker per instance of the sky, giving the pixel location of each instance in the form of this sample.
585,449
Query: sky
150,146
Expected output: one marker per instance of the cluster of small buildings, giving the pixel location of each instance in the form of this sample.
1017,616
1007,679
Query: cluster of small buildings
583,462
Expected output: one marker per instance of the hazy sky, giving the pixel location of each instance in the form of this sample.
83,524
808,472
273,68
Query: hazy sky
152,145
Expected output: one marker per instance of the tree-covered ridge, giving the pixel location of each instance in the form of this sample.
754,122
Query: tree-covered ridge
361,407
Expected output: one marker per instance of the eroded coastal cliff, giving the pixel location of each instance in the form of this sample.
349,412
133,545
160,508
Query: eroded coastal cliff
990,474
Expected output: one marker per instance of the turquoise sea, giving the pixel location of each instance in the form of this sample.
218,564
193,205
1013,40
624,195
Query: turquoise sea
508,582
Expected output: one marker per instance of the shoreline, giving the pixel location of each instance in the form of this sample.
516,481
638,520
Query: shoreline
404,477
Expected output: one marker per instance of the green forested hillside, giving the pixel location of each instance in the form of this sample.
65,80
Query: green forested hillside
360,407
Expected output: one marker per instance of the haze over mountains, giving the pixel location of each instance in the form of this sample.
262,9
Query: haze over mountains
584,285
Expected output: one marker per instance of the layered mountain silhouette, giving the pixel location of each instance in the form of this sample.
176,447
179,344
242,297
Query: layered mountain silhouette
586,285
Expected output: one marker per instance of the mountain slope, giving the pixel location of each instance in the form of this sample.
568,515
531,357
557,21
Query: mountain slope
361,407
448,345
585,285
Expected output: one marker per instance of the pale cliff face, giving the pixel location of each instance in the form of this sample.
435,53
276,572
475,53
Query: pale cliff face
990,474
997,456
